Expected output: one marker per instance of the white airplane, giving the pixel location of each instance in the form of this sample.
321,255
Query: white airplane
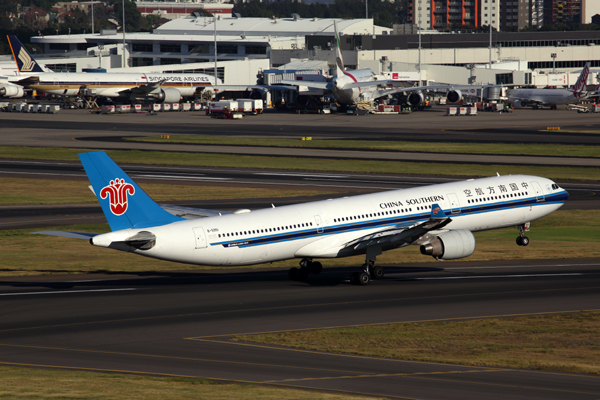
438,218
351,87
552,97
168,88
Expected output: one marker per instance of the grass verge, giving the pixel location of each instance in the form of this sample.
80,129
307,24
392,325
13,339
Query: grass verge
566,343
538,149
25,383
303,164
562,234
25,191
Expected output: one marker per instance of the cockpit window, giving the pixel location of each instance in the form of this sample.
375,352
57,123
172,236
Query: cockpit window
555,186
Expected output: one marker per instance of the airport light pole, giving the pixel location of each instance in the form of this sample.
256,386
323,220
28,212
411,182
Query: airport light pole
419,29
490,45
92,17
124,66
215,34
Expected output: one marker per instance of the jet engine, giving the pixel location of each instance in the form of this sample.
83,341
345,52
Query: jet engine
450,245
415,98
518,104
12,91
168,95
454,96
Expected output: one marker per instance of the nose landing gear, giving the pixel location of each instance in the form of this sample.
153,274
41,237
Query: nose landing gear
523,240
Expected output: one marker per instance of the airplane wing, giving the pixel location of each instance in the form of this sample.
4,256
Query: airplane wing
72,235
246,88
395,236
25,82
465,88
402,235
144,90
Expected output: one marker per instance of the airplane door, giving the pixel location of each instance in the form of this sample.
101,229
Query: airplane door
200,237
539,195
454,204
319,224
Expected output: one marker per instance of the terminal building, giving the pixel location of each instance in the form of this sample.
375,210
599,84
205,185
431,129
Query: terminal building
246,47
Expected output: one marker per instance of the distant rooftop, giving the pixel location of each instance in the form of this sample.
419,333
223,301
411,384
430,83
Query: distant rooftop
270,26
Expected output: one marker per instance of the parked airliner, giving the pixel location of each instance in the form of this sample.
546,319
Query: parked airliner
168,88
439,218
350,87
553,97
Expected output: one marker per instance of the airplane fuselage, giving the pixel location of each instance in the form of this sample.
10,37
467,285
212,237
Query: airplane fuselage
547,97
111,84
323,229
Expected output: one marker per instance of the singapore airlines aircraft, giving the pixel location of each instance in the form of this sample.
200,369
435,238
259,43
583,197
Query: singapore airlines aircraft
438,218
169,88
553,97
354,86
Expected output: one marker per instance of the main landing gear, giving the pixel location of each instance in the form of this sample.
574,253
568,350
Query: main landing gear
307,266
369,271
523,240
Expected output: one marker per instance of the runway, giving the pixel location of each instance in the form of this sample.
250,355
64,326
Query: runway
181,324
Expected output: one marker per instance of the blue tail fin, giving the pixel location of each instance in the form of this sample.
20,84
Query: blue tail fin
25,63
124,203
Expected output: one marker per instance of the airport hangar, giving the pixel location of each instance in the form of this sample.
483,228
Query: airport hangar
251,49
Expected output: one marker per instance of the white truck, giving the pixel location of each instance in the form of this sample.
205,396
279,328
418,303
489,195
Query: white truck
251,106
223,106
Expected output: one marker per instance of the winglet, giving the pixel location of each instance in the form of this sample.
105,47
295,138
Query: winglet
25,63
437,212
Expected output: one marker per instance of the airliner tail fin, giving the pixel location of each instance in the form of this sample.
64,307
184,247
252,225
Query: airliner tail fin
25,63
124,203
339,60
580,85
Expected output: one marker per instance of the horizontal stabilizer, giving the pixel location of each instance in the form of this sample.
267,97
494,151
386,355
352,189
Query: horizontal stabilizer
72,235
192,213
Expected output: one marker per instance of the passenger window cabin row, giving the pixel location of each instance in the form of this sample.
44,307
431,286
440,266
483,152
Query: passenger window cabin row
265,230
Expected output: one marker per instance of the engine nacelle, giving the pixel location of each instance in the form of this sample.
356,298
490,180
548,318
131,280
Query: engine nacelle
168,95
12,91
518,104
454,96
450,245
415,98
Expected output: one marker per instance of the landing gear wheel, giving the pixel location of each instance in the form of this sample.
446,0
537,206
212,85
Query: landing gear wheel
522,240
363,278
377,272
293,273
316,267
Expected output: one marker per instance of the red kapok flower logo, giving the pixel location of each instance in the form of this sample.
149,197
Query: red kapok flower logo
116,192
